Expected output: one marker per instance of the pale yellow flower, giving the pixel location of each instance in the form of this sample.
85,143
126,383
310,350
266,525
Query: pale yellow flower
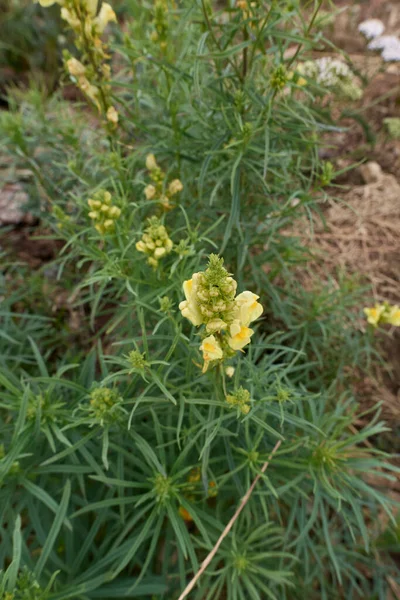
108,224
374,314
211,350
75,67
149,192
230,371
92,6
105,16
69,17
393,316
175,187
90,90
112,115
215,325
94,203
151,162
240,335
114,212
190,308
247,308
141,246
159,252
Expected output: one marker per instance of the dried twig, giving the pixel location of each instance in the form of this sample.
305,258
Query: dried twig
227,529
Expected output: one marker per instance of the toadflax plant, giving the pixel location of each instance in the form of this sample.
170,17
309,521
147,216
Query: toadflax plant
177,412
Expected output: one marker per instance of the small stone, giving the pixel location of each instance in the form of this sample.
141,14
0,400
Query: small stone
371,172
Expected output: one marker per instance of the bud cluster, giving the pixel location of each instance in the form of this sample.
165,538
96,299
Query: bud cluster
159,34
383,313
103,212
26,587
211,301
14,469
240,399
156,190
104,405
63,220
155,242
279,78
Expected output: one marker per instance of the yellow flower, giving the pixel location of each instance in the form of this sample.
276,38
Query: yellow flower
69,17
194,475
141,246
190,308
374,314
240,335
92,6
75,67
247,308
151,163
186,516
109,224
393,316
215,325
105,16
175,187
114,212
149,192
211,351
112,115
90,90
94,203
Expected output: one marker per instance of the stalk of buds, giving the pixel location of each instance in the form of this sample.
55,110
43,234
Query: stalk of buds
211,301
103,212
155,242
157,190
92,72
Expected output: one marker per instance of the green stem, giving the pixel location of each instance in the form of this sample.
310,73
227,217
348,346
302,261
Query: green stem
310,26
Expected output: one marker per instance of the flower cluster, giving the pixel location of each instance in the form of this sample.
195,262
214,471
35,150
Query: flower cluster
157,190
105,405
155,242
333,74
103,212
383,313
371,28
92,73
240,399
211,301
389,45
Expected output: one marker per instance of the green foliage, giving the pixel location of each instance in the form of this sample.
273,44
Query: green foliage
122,461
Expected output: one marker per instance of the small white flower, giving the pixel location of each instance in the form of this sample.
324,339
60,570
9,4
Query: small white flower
389,54
371,28
384,42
